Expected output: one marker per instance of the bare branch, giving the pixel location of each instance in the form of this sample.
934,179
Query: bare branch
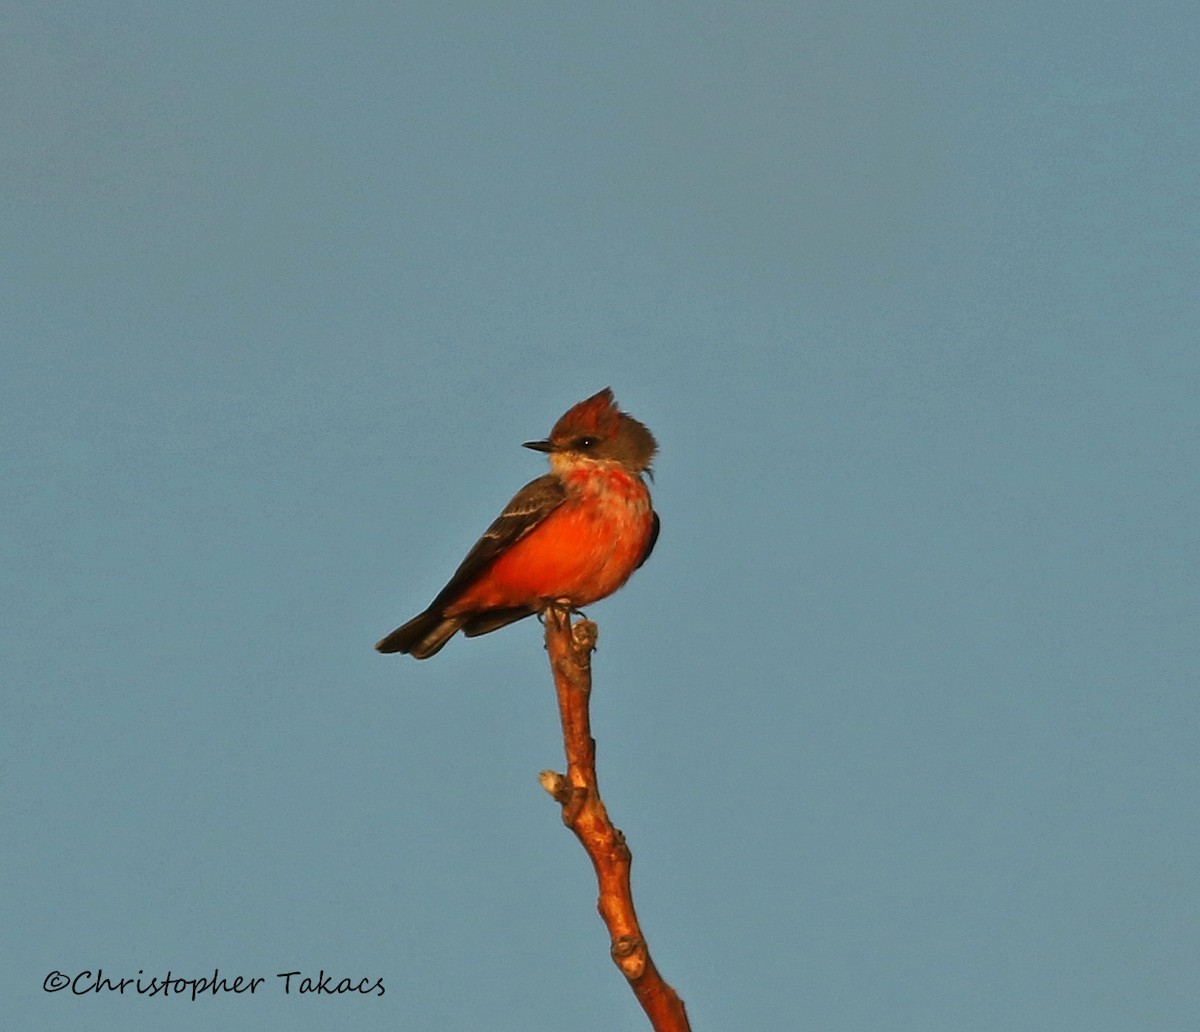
570,647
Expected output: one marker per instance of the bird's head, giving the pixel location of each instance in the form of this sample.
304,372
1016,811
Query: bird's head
596,429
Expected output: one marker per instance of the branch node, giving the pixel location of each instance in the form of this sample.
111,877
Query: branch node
556,784
584,635
629,954
620,847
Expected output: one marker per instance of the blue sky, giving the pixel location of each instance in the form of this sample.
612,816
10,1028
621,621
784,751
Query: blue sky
900,719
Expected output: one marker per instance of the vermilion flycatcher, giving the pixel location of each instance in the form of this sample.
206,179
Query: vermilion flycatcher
571,537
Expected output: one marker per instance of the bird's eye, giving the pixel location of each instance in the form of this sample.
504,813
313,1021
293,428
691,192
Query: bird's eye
586,443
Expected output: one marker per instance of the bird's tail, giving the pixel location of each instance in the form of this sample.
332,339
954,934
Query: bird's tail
423,635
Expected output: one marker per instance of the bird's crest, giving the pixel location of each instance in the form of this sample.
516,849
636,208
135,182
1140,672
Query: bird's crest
596,415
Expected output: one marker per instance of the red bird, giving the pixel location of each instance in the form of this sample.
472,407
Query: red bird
570,537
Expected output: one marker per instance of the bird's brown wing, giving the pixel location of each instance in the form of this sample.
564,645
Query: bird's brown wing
650,543
529,506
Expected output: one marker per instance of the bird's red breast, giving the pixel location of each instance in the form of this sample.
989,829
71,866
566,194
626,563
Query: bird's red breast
582,551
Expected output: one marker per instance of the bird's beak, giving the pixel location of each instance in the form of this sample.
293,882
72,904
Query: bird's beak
543,446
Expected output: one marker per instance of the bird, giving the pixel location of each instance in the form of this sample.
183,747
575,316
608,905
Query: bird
568,538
